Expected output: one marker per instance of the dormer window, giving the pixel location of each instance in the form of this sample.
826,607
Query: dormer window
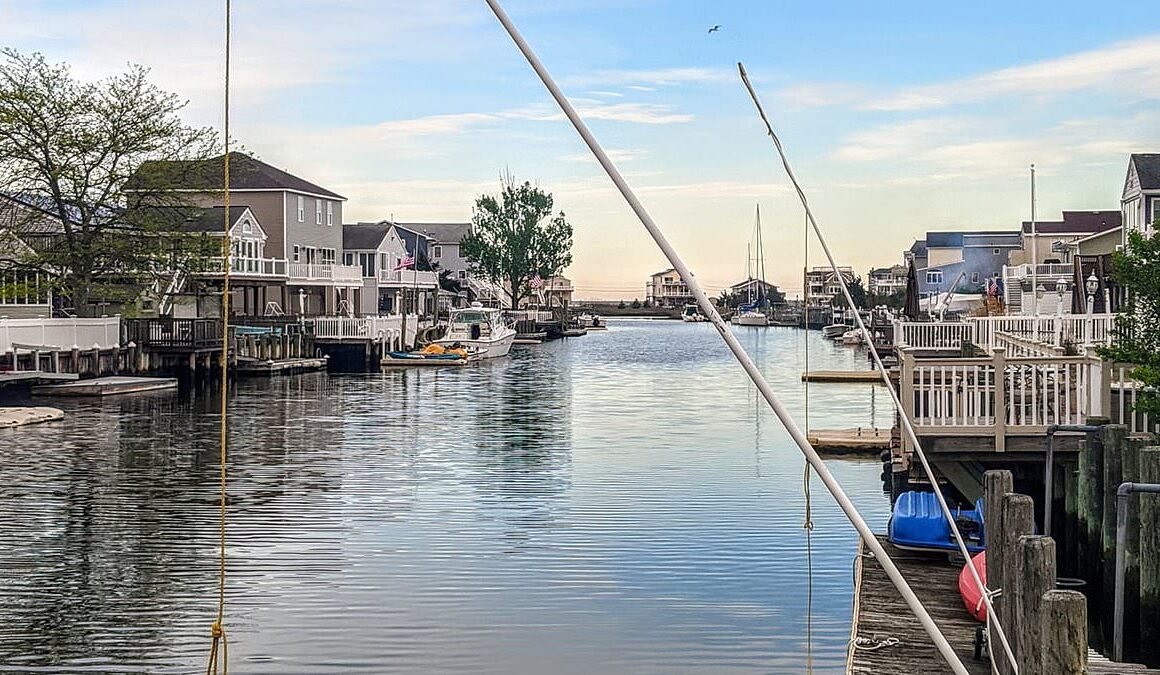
247,228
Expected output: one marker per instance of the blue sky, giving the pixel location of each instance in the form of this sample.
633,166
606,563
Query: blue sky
899,117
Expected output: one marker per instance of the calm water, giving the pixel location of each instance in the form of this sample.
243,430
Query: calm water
614,503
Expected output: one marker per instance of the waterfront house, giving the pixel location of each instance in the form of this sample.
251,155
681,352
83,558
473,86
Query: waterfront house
667,289
916,254
886,280
1140,201
25,291
557,291
378,250
302,222
756,288
966,261
822,285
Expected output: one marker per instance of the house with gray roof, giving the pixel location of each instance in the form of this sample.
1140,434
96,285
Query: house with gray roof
378,251
977,256
1140,201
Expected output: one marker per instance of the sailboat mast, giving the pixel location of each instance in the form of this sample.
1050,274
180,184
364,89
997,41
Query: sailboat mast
760,257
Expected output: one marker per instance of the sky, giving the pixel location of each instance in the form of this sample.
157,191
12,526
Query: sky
898,117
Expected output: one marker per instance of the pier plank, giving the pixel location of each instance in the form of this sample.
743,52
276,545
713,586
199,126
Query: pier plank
849,441
839,376
106,386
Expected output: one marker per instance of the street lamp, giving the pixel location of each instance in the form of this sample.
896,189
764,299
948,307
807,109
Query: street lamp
1060,291
1092,285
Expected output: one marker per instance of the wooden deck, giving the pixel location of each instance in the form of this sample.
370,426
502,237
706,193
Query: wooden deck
863,376
106,386
280,366
850,441
879,614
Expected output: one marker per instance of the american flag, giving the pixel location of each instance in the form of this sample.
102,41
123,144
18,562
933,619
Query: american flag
536,282
406,262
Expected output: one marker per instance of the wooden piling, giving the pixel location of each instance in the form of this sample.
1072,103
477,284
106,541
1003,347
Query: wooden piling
1113,436
1065,641
1035,575
1149,557
996,485
1069,558
1017,519
1091,515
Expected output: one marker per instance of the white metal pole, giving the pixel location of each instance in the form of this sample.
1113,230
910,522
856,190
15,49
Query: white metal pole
1034,251
731,341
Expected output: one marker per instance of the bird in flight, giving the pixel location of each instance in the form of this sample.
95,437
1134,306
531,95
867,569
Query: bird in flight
716,28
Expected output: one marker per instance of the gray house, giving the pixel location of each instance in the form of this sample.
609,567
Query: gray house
378,251
1140,202
977,256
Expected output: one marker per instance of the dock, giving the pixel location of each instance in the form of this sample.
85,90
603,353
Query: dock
18,417
850,441
280,367
106,386
35,377
391,362
843,376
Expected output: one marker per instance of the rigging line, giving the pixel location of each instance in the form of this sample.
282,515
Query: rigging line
808,525
734,345
217,632
907,426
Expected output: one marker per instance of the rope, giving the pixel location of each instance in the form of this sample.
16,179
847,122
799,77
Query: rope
217,632
808,525
873,644
907,427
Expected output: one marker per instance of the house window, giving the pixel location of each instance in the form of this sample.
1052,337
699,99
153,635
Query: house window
974,277
438,252
297,254
247,228
301,209
328,256
462,274
348,259
934,277
311,254
317,211
330,213
367,261
383,261
996,251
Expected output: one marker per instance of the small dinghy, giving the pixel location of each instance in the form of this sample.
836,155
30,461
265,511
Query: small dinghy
918,524
431,355
972,594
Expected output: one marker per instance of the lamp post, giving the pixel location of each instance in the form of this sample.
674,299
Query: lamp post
1060,289
1092,286
1039,292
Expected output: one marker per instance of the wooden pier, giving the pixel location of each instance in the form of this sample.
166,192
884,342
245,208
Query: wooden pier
106,386
843,376
850,441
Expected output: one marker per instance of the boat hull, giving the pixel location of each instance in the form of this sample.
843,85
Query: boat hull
758,320
692,318
484,349
918,524
834,330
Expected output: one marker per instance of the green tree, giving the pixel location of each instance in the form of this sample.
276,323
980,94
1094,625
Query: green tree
621,305
1137,268
67,150
857,293
514,237
636,303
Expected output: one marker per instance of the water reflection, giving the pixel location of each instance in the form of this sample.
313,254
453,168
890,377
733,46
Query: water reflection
618,502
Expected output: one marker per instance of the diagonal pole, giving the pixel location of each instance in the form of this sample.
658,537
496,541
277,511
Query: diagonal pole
731,341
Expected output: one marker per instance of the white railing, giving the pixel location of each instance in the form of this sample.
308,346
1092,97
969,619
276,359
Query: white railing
1124,393
318,272
932,334
388,329
254,267
1041,270
1017,345
409,278
529,315
59,334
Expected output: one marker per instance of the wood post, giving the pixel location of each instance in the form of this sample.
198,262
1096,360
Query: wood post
1064,649
1035,575
999,363
1017,520
1149,561
1090,510
996,485
1113,437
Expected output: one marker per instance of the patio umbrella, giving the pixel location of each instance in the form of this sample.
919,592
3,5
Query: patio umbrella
910,305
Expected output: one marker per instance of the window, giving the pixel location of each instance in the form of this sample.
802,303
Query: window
974,277
438,252
934,277
311,254
247,228
996,251
317,211
367,261
462,274
383,261
347,258
301,209
297,254
328,256
330,213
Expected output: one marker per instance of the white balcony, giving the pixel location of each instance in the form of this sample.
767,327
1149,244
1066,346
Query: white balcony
273,268
409,278
325,274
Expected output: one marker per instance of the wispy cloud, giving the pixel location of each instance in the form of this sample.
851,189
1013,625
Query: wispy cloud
618,156
648,80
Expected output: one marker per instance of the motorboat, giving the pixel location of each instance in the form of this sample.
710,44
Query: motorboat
590,321
693,314
481,330
750,317
834,330
918,524
852,337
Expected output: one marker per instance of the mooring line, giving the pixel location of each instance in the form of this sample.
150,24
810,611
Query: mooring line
734,345
907,427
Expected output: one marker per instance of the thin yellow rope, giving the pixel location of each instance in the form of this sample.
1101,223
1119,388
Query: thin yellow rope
217,632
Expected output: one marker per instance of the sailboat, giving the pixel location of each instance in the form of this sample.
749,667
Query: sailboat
753,313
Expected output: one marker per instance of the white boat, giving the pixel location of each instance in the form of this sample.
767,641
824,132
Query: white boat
590,321
693,314
852,337
750,318
834,330
481,330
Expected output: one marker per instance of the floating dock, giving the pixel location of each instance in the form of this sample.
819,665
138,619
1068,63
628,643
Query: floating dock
280,367
864,376
850,441
391,362
890,638
18,417
107,386
35,377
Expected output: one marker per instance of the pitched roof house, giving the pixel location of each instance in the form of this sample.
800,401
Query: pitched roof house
1140,201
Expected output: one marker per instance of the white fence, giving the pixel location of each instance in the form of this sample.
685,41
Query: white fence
932,334
409,278
315,272
59,334
388,329
1056,331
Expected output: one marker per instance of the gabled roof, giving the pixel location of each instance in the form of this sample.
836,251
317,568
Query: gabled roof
364,236
246,173
750,282
918,248
662,272
211,220
1147,169
1077,222
442,233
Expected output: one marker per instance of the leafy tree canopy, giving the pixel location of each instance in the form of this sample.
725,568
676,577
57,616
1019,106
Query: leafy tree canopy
1137,268
515,237
67,150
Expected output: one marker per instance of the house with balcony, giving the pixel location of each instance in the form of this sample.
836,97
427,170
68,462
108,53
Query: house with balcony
752,289
557,291
963,261
1140,200
666,289
302,223
377,250
886,280
823,285
25,291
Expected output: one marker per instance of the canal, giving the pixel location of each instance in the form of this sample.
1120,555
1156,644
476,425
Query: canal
619,502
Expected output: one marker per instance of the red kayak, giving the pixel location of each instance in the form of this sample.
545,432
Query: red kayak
972,594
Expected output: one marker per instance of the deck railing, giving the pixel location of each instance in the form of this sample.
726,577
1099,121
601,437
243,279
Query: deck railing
60,334
1124,392
388,329
351,274
932,334
169,334
1056,331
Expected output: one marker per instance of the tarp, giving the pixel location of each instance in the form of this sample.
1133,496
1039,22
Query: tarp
910,307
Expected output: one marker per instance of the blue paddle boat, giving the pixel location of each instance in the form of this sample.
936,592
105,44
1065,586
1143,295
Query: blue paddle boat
918,524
